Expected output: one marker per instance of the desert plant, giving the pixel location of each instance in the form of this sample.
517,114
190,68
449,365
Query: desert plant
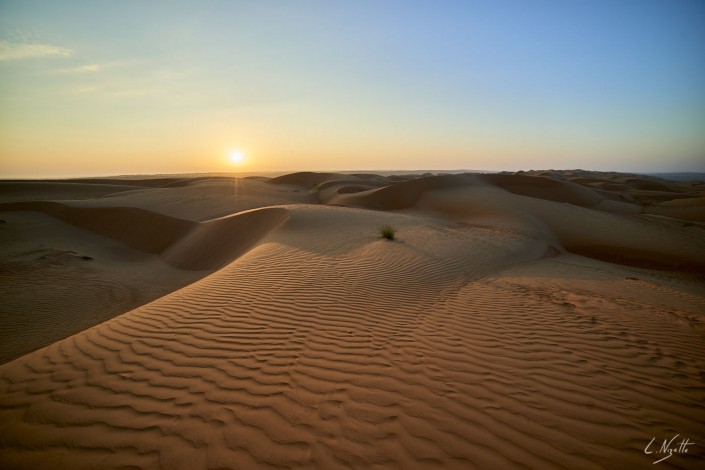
387,231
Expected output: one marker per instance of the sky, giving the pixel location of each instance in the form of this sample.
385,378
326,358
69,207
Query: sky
95,87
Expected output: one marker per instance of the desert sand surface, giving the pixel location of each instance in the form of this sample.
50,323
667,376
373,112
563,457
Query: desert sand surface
543,319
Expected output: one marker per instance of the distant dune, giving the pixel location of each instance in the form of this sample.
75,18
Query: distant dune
544,319
679,176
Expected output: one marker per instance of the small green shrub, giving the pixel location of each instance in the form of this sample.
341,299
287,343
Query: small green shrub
388,232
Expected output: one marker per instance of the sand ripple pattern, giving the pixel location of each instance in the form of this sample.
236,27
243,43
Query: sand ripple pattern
312,351
52,314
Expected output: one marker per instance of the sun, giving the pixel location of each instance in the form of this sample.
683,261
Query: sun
236,156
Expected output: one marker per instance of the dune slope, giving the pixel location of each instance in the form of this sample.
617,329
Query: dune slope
474,340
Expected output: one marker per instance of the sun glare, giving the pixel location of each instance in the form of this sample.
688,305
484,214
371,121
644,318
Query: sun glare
236,156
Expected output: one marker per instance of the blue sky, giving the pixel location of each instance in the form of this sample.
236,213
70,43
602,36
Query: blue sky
98,87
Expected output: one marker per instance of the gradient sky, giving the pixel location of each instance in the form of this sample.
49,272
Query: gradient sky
125,87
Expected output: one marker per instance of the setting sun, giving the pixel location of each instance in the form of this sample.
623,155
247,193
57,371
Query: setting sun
236,156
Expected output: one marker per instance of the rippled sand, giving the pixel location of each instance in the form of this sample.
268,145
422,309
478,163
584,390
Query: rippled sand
516,321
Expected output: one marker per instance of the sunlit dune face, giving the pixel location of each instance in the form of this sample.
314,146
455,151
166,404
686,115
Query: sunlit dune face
236,156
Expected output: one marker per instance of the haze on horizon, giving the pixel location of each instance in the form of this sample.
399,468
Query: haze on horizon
105,88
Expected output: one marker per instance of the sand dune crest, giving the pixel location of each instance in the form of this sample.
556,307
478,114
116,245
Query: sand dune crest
181,243
307,179
212,244
137,228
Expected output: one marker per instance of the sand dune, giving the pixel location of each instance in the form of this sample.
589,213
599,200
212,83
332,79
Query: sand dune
479,338
690,209
40,191
57,279
207,199
307,179
545,188
212,244
403,195
406,194
551,206
137,228
639,183
127,181
181,243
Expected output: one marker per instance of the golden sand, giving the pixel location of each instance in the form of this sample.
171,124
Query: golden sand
552,320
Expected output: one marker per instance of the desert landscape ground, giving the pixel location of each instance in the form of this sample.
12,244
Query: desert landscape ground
542,319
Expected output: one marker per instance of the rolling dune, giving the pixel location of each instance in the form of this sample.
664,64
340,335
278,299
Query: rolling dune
11,191
478,338
307,179
180,243
545,188
57,279
212,244
137,228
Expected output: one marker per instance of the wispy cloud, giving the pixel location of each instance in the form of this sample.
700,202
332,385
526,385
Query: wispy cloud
15,50
93,68
88,68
